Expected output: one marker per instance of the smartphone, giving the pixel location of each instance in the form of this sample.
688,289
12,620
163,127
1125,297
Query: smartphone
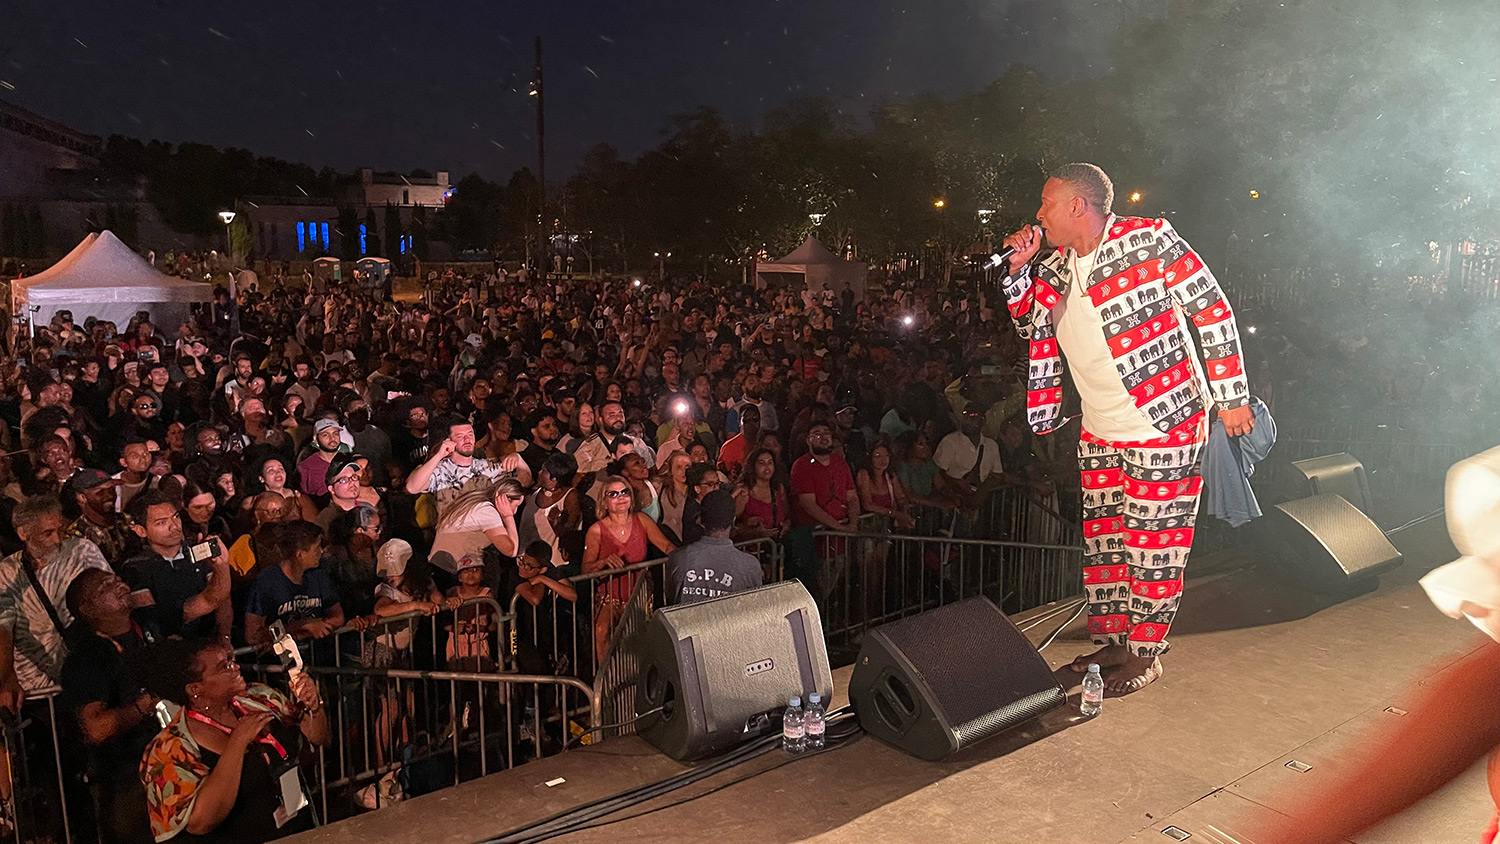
285,648
204,551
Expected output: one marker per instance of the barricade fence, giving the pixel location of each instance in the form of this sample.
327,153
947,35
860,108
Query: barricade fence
422,701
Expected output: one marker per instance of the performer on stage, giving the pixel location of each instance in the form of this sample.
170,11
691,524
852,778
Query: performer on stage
1110,294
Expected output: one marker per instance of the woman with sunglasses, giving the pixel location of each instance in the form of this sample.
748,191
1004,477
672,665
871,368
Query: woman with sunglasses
618,539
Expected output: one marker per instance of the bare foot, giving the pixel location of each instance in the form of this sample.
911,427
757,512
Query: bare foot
1134,674
1108,656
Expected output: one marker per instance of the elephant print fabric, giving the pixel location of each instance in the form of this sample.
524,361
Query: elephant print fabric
1140,503
1146,284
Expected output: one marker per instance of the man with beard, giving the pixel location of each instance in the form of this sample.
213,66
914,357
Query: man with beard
597,451
144,421
369,439
327,436
768,419
306,385
33,585
452,468
823,495
89,498
545,434
238,386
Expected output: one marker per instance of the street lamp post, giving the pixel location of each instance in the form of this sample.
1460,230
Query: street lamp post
661,265
227,217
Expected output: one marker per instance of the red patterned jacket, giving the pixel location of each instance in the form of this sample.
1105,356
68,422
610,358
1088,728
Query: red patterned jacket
1144,278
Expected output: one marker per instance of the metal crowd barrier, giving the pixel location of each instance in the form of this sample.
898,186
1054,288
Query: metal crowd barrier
33,810
399,711
870,580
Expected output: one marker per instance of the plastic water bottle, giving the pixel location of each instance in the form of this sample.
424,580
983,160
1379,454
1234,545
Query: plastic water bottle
813,721
1093,691
793,727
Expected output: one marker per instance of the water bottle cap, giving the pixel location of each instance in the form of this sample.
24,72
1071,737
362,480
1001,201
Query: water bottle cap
814,698
1093,668
796,701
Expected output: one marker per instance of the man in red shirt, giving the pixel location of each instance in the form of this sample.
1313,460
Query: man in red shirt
823,495
733,453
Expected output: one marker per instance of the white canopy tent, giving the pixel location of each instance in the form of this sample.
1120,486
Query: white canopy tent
106,279
816,267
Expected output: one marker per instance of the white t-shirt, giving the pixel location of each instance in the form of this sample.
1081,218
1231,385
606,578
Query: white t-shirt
956,454
465,535
1109,412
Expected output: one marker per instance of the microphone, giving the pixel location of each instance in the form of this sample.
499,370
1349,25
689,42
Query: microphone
999,258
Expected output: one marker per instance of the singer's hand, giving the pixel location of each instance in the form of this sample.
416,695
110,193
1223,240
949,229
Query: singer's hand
1026,242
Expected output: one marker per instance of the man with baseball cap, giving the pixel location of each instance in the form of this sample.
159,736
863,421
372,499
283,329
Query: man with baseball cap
712,567
327,436
89,497
343,489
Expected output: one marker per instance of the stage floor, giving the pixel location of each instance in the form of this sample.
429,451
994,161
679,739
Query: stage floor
1259,675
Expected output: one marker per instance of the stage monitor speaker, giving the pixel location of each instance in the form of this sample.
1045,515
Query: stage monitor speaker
724,668
1336,474
938,682
1327,543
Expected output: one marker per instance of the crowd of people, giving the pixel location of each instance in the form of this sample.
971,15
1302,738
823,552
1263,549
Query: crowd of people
318,457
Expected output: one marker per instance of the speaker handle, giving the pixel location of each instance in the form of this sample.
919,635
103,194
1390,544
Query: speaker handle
894,702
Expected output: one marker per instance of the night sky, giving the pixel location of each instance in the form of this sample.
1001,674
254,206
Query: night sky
442,85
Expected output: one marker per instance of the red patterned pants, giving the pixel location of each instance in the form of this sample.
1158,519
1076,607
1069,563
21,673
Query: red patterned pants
1139,504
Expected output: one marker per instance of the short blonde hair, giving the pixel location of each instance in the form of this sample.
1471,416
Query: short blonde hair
601,508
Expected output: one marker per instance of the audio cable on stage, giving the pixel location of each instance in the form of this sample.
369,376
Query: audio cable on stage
842,729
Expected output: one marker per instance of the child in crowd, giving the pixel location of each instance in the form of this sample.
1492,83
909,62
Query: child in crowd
470,635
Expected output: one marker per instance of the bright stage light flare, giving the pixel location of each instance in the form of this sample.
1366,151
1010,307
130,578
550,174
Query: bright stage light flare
908,319
938,203
1135,196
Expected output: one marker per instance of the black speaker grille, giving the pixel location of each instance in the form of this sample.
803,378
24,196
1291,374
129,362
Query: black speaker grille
1347,537
1008,716
981,670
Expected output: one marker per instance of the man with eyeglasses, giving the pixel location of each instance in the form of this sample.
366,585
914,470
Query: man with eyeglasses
343,489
